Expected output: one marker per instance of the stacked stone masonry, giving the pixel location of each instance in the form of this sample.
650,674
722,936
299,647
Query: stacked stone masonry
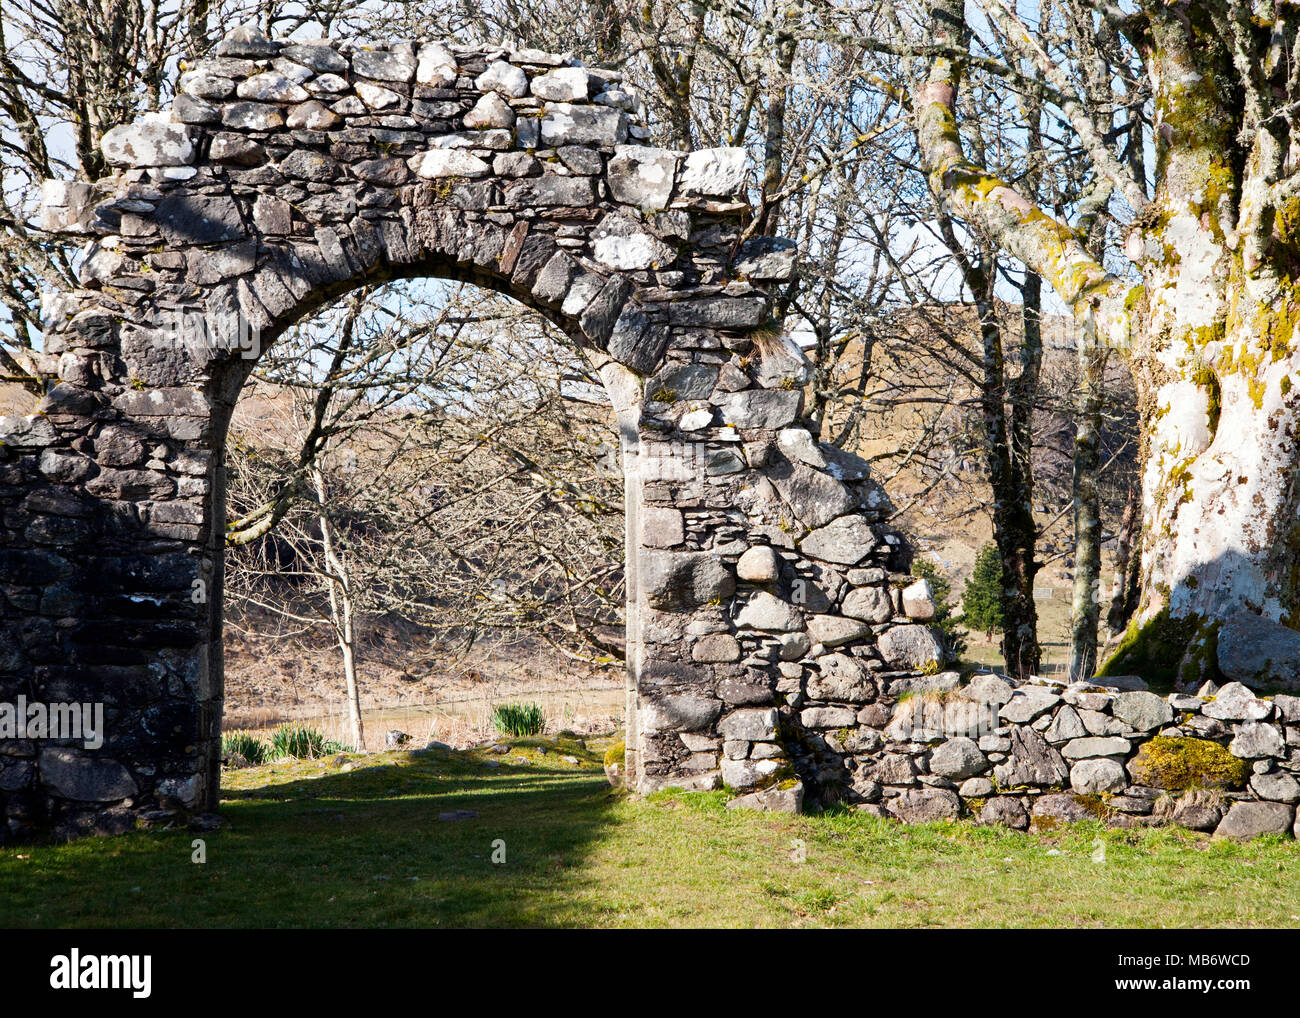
773,627
1225,760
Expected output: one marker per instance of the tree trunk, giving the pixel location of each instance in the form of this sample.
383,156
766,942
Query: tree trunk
1212,329
342,612
1012,508
1123,597
1086,607
1215,364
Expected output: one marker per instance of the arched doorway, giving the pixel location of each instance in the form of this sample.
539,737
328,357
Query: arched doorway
285,175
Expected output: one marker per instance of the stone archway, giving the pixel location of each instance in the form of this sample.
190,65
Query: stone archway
285,174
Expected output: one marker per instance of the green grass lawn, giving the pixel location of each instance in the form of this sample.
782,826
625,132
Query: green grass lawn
309,844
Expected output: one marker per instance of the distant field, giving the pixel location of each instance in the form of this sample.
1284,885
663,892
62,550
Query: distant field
1053,635
310,844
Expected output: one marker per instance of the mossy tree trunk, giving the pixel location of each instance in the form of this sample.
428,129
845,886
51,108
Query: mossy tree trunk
1211,330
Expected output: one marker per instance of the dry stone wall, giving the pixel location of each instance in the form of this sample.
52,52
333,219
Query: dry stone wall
1225,760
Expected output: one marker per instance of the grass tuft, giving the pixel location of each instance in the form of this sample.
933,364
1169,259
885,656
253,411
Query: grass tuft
252,748
301,743
518,719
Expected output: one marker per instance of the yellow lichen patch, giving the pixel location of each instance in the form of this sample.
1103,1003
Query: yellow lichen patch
1178,764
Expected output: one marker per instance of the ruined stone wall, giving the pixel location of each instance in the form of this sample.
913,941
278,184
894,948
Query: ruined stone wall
777,643
1225,761
282,176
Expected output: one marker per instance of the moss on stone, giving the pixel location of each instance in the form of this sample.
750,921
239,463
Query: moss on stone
1154,650
1179,764
1096,804
614,755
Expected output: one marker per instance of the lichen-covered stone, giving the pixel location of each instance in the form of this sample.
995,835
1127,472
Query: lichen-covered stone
1181,763
912,647
1246,820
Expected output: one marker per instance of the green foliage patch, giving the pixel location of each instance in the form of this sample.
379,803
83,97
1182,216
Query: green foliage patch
518,719
981,602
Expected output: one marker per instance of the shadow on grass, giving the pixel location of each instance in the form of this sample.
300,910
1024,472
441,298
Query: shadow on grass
319,847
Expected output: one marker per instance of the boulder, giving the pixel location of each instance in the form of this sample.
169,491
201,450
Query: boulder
1027,704
1186,763
988,689
761,408
1061,808
1142,710
1033,762
770,614
827,717
1197,816
270,86
598,126
870,604
958,759
503,77
1236,702
918,601
834,630
435,66
976,788
642,176
750,724
85,777
683,381
1088,746
840,679
1066,725
1247,820
564,84
1090,777
717,648
926,805
1278,786
716,172
777,799
489,112
397,64
620,244
743,774
783,364
1005,811
846,541
1259,653
150,141
911,647
767,258
759,565
673,581
939,682
814,497
680,712
1255,740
